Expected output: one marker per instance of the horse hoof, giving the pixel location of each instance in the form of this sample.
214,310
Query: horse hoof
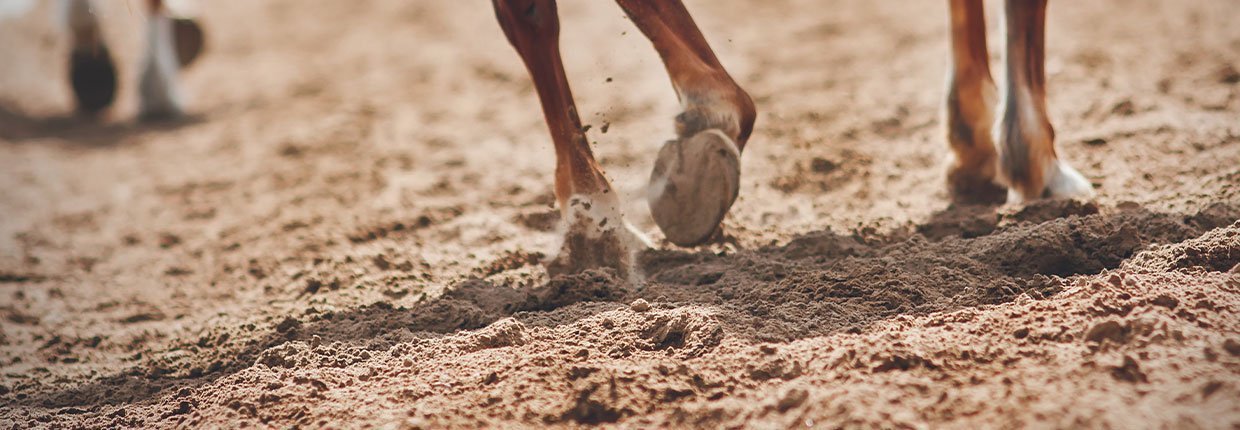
693,184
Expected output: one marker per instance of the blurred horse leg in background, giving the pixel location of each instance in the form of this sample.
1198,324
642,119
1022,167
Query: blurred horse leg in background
171,44
92,72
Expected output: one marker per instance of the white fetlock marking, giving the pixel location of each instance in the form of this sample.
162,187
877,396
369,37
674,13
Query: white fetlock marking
1064,181
159,91
720,115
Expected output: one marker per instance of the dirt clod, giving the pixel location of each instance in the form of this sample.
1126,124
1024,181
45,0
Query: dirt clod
639,305
288,324
1165,301
793,398
1129,371
1107,330
1232,347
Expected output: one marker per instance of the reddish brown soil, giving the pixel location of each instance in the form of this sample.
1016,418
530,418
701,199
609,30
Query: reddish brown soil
346,233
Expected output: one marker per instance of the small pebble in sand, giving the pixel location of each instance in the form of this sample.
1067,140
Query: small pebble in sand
639,305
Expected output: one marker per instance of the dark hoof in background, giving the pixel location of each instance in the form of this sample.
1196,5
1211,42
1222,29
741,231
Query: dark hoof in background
93,76
188,37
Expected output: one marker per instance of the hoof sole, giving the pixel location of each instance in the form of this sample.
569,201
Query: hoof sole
693,185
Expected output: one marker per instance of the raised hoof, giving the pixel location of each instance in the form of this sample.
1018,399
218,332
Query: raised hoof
597,236
693,184
188,37
93,78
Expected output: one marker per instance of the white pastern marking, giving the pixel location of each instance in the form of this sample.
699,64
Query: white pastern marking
159,90
1064,181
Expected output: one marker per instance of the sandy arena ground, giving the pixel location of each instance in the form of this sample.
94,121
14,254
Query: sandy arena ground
347,230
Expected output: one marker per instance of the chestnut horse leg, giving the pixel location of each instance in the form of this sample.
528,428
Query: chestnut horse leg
969,109
597,235
1028,164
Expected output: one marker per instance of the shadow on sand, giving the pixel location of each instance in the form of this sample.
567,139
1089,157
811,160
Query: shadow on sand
83,131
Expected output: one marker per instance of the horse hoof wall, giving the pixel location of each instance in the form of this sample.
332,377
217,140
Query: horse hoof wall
693,185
